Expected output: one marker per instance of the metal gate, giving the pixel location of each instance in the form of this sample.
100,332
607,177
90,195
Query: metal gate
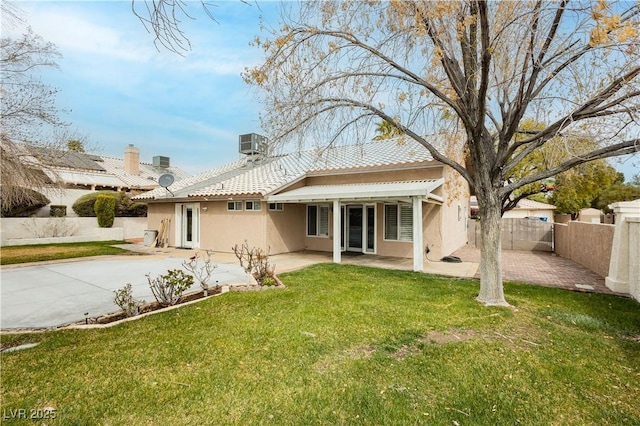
518,234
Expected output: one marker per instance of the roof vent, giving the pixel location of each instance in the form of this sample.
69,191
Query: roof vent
161,162
252,143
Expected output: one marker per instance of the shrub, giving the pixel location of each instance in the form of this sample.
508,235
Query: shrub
58,211
255,261
136,210
125,301
32,201
201,268
105,208
84,206
269,282
168,289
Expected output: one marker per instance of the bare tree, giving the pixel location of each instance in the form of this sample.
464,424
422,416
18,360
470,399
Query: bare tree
164,19
29,116
336,67
11,15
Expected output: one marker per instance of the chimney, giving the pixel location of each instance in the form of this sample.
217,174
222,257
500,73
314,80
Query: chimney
132,160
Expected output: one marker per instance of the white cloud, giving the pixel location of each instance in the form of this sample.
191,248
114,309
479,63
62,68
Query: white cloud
78,33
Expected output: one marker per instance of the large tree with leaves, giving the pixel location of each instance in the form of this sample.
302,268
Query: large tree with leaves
336,67
575,188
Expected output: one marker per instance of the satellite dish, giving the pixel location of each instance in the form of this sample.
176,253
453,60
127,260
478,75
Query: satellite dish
166,179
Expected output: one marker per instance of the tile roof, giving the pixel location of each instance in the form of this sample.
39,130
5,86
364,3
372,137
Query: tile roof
263,177
66,159
80,168
146,179
374,154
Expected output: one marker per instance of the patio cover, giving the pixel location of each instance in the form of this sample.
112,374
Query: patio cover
361,192
414,192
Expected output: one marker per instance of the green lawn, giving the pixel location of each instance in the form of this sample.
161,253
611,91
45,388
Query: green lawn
40,252
344,345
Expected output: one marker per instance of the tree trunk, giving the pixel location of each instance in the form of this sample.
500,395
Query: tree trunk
491,290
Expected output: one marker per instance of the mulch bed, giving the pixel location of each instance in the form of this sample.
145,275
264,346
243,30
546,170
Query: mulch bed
150,307
154,306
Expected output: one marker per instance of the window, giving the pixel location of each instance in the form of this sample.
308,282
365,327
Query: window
276,207
317,221
234,205
398,222
253,205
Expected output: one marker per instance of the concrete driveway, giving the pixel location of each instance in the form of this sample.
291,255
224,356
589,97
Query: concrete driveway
55,293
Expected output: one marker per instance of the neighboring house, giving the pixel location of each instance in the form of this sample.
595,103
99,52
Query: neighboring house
524,209
385,197
531,209
589,215
81,173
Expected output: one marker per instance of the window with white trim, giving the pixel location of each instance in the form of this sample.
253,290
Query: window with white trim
398,222
317,220
278,207
234,206
252,205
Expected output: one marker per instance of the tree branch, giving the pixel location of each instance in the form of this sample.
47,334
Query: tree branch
627,147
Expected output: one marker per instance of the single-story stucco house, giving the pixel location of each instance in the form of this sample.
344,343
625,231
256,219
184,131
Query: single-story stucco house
387,197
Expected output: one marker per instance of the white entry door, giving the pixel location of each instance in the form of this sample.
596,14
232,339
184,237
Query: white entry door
189,225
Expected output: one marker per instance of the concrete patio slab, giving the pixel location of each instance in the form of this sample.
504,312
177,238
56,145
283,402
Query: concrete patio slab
53,294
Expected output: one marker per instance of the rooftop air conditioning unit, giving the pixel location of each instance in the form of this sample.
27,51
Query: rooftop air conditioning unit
160,162
252,143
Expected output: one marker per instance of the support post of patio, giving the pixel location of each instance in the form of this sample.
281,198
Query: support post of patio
418,261
337,231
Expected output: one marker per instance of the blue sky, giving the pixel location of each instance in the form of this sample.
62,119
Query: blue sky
119,89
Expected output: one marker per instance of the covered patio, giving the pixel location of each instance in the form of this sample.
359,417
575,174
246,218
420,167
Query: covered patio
353,217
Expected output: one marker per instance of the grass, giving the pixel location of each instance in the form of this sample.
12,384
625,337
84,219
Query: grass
41,252
344,345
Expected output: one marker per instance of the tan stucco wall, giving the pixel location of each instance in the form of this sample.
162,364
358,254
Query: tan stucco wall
454,214
286,229
588,244
158,211
220,229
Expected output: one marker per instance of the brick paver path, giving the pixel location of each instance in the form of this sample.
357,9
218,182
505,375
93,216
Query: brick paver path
541,268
